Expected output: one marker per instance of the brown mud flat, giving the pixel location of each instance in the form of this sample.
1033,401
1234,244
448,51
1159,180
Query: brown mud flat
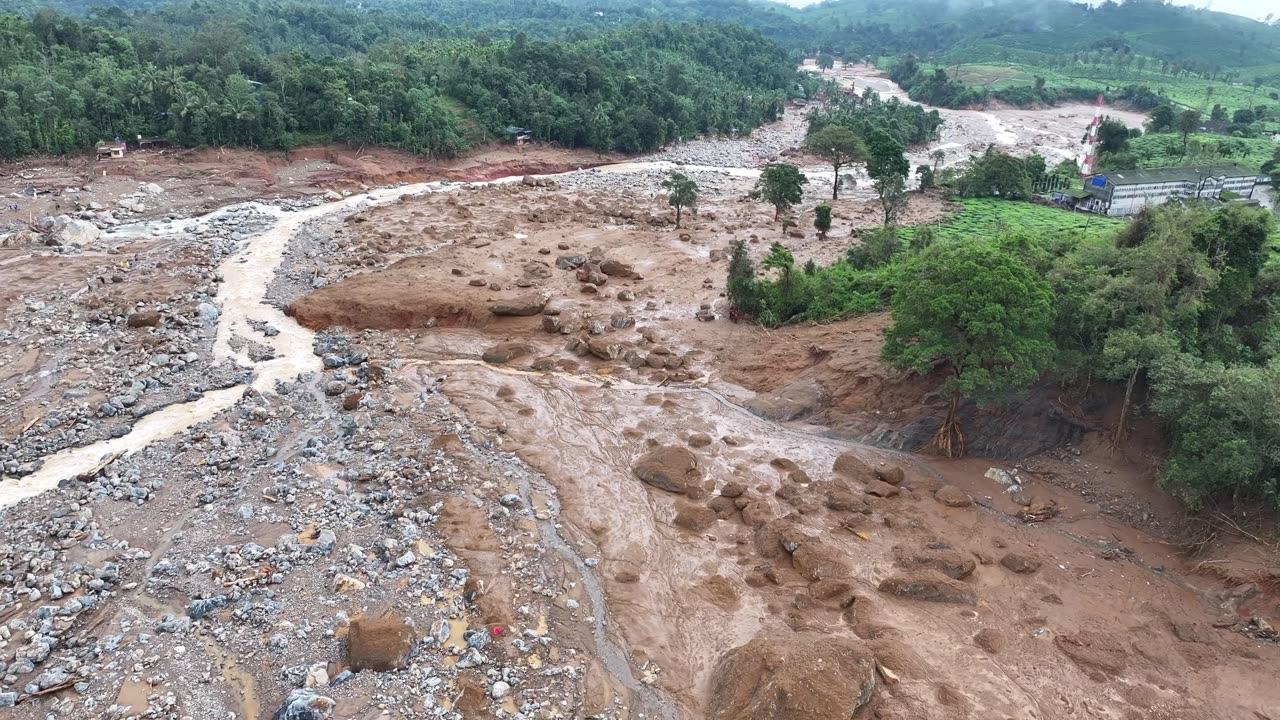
196,181
773,539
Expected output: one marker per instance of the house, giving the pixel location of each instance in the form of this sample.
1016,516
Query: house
1127,192
110,151
519,135
152,143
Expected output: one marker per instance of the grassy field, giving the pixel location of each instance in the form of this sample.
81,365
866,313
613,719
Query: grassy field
1165,150
987,217
1190,92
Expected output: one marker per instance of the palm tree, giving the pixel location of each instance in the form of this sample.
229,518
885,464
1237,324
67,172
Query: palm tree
151,78
238,111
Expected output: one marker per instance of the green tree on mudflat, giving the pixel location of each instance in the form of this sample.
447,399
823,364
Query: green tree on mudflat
840,146
1113,136
744,296
925,173
682,192
888,168
822,219
781,185
980,314
1161,119
825,61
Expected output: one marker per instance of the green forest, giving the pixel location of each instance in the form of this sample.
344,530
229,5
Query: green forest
197,75
1177,310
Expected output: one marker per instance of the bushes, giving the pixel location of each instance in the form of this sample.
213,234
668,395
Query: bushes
1177,308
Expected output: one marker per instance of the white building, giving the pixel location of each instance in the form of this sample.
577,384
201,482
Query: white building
1127,192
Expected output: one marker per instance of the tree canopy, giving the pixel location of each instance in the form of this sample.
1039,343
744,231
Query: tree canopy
203,74
781,185
682,192
840,146
982,314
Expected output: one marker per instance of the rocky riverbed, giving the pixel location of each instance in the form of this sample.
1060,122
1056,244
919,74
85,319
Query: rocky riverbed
466,450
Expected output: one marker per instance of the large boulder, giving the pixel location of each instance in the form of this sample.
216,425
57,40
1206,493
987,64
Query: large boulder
1019,563
948,562
671,468
952,496
851,466
605,348
792,676
520,307
505,352
799,399
816,561
929,586
68,231
305,704
617,268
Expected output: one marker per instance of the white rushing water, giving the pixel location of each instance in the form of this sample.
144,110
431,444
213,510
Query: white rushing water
246,276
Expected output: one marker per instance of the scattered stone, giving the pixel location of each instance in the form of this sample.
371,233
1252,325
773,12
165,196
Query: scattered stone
669,468
991,640
520,307
952,496
694,518
793,676
1019,563
929,586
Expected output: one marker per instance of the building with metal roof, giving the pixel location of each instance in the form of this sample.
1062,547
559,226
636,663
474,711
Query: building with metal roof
1127,192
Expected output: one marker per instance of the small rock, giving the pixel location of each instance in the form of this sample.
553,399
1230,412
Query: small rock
952,496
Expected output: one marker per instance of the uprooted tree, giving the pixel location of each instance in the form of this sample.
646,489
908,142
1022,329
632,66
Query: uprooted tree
982,315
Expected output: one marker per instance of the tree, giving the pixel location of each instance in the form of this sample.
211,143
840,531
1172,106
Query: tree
682,192
877,247
1272,168
1036,167
937,156
822,219
839,146
741,289
1188,122
825,61
925,173
1243,116
1161,119
888,168
1113,136
1218,113
980,314
781,185
996,173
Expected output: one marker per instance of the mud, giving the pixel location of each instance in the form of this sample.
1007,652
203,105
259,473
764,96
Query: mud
622,505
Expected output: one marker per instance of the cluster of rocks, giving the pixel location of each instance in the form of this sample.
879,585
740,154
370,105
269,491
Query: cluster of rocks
647,183
364,536
763,145
126,358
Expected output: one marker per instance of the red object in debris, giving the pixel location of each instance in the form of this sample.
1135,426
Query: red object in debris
497,630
